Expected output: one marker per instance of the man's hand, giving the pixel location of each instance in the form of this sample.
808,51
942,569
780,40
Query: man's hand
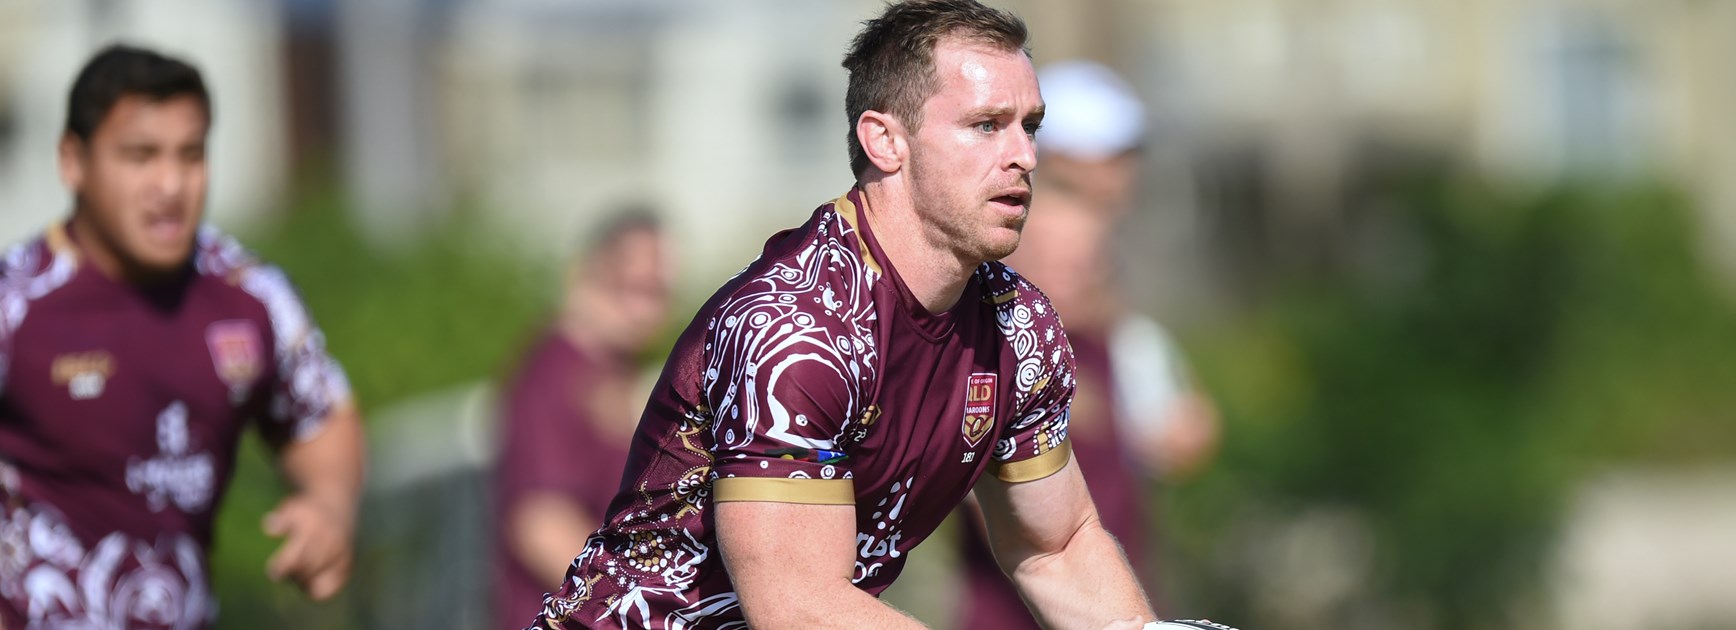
317,545
1135,623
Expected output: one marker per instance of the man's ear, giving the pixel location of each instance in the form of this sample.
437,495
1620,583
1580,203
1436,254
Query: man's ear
884,140
72,158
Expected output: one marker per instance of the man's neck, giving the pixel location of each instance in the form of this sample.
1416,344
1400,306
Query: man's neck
933,272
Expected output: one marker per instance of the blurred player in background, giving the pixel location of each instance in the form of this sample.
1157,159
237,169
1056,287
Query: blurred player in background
1136,416
135,345
571,410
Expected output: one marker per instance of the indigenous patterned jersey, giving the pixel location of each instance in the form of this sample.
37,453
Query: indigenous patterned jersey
814,376
120,413
557,438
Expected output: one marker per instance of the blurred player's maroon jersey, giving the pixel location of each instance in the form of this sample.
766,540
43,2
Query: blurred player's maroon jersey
556,439
120,412
814,376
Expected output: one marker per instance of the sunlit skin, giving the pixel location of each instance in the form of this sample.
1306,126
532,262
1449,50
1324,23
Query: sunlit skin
619,297
955,192
139,185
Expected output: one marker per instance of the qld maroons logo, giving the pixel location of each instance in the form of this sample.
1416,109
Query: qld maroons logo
979,408
237,353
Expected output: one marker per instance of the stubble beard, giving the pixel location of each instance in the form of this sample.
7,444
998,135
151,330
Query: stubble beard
953,219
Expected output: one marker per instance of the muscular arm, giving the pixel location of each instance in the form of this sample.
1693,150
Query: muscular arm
1047,537
548,530
792,563
318,518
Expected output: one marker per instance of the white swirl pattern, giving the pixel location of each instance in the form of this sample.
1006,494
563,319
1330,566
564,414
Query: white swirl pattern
310,381
813,311
1043,374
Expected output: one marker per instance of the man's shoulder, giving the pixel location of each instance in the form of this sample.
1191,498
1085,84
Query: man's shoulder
25,261
220,257
1012,297
32,269
1031,328
217,254
810,298
814,275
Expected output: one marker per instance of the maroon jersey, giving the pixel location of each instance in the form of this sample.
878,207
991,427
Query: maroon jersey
555,439
991,601
120,414
814,376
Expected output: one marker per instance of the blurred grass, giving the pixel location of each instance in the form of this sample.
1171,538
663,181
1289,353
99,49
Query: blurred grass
450,306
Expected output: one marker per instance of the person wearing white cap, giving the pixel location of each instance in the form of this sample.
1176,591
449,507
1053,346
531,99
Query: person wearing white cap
1135,414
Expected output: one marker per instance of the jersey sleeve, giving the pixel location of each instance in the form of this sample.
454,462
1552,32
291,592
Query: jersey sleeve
309,383
781,385
12,307
1035,444
29,271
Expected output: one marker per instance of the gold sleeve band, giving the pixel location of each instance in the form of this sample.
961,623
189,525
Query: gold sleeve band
779,490
1036,467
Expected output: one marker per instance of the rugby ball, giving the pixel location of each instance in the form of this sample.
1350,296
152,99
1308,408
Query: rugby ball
1186,624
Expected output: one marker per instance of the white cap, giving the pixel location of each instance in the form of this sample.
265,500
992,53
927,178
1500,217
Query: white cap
1092,114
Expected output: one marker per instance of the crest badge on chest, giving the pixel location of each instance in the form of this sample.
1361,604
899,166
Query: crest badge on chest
238,355
979,408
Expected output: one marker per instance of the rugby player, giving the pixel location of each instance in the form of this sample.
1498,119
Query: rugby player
831,404
136,345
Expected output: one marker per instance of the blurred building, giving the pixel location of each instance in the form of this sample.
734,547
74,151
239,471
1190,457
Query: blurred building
546,113
728,116
1294,101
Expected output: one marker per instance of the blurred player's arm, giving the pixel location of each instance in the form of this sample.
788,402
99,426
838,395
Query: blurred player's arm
547,530
318,519
316,429
1047,536
792,563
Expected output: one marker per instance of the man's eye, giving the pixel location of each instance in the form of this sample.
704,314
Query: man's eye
1031,129
987,126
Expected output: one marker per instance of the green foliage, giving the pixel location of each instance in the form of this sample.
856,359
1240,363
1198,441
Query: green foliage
1531,341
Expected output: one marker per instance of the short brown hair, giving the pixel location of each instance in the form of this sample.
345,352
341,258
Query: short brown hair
891,62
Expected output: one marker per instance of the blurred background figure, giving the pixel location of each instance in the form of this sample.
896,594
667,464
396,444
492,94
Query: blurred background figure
1136,414
137,345
571,410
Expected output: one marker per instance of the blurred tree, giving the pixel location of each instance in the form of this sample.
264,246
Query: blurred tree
1453,391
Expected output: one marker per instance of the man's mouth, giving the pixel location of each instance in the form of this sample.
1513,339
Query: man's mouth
1018,198
167,226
